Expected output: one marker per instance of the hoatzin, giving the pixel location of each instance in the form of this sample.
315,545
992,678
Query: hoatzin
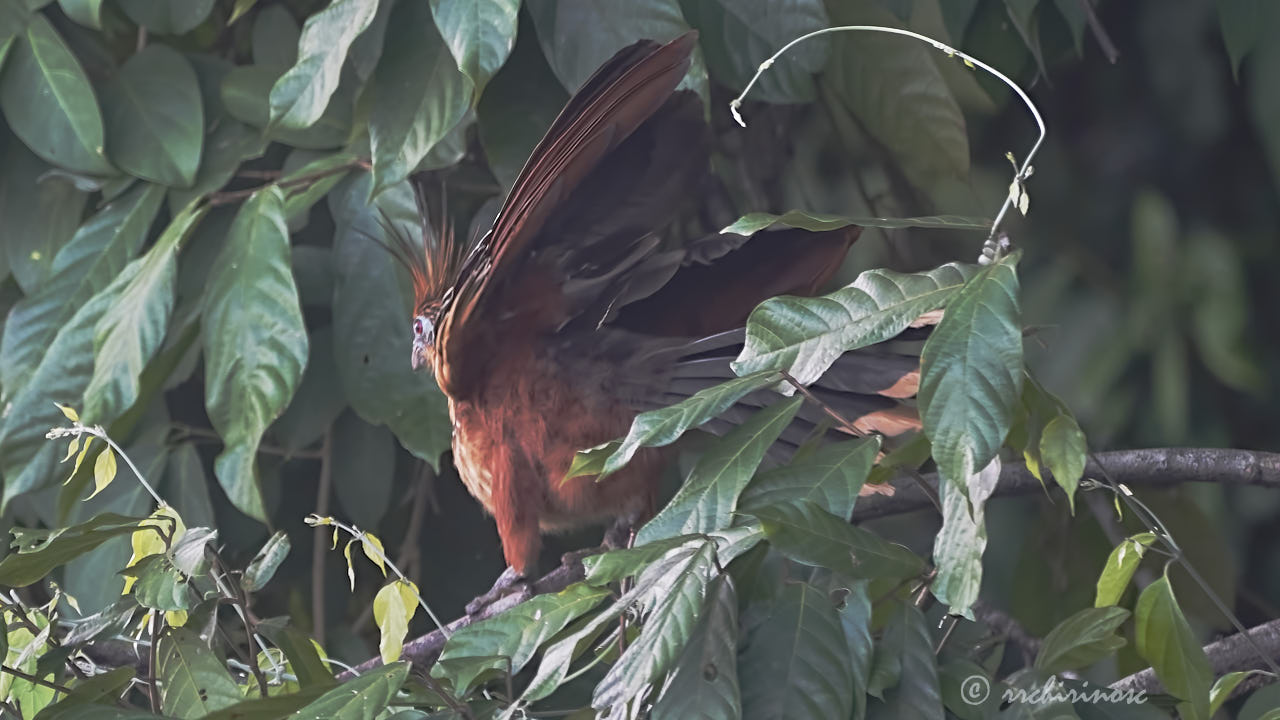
581,308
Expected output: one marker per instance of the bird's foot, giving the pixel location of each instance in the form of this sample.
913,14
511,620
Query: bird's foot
509,582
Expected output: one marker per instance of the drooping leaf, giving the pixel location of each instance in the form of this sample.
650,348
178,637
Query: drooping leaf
738,35
363,470
245,91
275,38
1120,567
516,634
155,118
704,682
38,552
1063,448
808,534
419,94
830,477
971,372
708,497
89,262
1082,639
804,336
168,17
301,95
264,564
796,663
48,102
360,699
255,343
612,566
657,428
131,331
1165,639
479,34
300,650
193,681
915,691
958,548
752,223
393,608
665,630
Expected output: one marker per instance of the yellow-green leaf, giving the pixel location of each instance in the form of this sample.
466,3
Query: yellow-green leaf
69,411
79,459
393,608
149,539
71,448
351,569
373,550
104,471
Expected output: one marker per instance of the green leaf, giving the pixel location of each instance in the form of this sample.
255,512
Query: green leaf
479,34
167,17
132,330
971,372
796,664
806,335
393,608
360,699
275,38
280,706
1241,28
97,254
300,96
263,566
526,82
958,547
255,343
193,681
752,223
104,471
159,585
615,565
577,36
41,211
1120,567
810,535
297,205
110,620
1063,448
40,551
155,118
704,682
246,89
914,666
418,94
48,102
85,12
319,401
517,633
1082,639
1224,686
898,96
363,469
1165,639
738,35
103,689
665,630
855,621
707,499
372,312
664,426
830,478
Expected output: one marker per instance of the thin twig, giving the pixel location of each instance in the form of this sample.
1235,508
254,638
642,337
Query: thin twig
191,432
33,679
844,422
318,548
78,429
1100,33
153,689
231,196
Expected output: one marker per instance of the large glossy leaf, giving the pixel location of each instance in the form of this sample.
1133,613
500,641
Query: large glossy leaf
372,312
830,477
704,683
418,94
275,38
227,145
855,621
917,693
255,343
48,102
40,211
752,223
804,336
709,495
1063,449
85,12
167,17
155,118
1165,639
479,34
577,36
1082,639
193,681
958,547
319,400
738,35
246,89
657,428
300,96
808,534
518,633
525,82
796,664
971,372
1121,564
96,254
891,85
360,699
364,464
665,630
130,333
38,552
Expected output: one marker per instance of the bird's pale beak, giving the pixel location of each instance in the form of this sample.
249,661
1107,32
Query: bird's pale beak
415,357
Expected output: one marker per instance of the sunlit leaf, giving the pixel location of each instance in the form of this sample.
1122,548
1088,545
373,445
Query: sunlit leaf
958,547
479,34
1165,639
301,95
704,682
752,223
373,550
393,608
1120,567
104,471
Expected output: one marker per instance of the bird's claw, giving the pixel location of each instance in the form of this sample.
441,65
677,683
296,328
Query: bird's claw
509,582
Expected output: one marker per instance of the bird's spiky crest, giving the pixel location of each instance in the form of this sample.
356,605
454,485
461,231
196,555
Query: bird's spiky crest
432,263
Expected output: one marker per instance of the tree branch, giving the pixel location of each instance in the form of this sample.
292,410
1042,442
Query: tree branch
1229,654
1150,468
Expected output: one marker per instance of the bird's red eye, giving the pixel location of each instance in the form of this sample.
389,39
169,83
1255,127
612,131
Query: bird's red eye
417,326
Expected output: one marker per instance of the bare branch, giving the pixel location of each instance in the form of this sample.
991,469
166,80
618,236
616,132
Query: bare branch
1230,654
